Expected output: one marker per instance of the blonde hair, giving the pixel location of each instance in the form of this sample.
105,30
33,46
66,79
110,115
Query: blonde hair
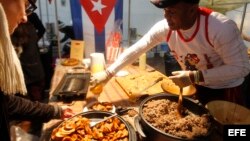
12,79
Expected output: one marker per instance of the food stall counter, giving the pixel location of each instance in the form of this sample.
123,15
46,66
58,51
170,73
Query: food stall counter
112,92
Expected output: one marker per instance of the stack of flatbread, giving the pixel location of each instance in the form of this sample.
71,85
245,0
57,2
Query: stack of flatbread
135,85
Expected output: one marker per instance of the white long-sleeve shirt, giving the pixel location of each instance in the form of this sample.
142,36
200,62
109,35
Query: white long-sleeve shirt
213,45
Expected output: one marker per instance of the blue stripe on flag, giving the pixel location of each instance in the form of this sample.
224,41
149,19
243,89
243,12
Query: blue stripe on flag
100,41
119,10
76,14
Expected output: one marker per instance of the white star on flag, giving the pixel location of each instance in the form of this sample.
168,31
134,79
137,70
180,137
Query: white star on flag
98,6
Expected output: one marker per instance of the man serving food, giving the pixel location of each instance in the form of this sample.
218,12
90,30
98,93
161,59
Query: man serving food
207,45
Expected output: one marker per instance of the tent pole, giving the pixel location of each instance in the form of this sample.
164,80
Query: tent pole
243,17
129,8
40,14
47,11
57,32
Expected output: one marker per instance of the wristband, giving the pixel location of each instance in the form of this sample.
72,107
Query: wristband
191,76
196,77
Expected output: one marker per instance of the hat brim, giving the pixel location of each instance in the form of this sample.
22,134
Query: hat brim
164,3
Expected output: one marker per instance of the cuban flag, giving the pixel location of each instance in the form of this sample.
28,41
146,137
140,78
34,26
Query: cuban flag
94,20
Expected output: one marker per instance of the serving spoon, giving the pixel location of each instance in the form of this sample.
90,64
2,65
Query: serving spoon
179,106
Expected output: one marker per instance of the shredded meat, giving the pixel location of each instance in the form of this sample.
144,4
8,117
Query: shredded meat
162,114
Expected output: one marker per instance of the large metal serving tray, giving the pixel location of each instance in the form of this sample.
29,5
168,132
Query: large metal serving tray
73,84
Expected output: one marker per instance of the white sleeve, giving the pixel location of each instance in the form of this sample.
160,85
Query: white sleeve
228,43
156,35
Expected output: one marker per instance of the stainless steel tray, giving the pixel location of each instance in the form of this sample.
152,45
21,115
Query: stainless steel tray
73,84
96,116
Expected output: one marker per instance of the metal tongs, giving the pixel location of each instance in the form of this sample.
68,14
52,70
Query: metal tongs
92,124
119,111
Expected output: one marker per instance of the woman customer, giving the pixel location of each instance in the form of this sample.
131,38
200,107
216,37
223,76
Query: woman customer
12,13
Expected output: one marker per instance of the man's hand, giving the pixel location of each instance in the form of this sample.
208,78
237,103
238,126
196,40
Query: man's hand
98,78
181,78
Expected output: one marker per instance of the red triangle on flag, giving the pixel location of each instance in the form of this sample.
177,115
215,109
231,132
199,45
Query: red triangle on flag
98,11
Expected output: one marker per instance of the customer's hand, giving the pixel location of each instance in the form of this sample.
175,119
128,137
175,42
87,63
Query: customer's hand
67,112
98,78
181,78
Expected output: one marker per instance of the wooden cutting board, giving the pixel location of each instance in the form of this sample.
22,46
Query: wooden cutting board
133,84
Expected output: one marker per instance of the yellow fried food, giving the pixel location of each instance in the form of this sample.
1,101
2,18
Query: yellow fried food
78,129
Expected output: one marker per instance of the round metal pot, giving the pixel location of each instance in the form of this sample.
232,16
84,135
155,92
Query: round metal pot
228,113
99,115
151,133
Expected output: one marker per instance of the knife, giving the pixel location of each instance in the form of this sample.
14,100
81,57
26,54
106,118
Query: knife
150,85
